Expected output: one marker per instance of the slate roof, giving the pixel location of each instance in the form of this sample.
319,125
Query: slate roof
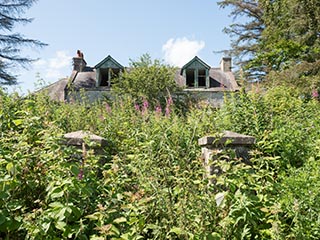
85,80
56,91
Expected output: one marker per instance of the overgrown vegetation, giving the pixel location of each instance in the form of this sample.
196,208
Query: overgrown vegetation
152,185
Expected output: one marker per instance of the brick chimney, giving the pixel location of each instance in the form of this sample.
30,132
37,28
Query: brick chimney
79,64
225,64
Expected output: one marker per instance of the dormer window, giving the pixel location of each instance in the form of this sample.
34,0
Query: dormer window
202,77
107,70
106,76
196,74
190,77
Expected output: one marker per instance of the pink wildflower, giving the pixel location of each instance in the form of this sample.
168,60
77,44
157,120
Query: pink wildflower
137,107
168,107
315,93
108,108
145,103
80,175
145,106
167,112
158,110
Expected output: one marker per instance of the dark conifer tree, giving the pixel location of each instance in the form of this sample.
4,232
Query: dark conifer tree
246,31
11,14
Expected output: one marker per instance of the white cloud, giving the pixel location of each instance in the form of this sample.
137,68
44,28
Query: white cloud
61,60
179,51
39,63
53,74
54,68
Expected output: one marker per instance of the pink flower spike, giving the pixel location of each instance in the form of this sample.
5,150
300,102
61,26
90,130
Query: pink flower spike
145,104
315,93
158,110
108,108
169,101
137,107
168,111
80,175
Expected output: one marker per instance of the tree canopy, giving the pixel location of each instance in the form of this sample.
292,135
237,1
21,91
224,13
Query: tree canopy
146,79
11,12
274,35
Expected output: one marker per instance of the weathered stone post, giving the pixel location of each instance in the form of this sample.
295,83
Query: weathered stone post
211,145
79,140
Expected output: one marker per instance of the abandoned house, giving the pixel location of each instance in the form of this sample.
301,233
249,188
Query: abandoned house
196,77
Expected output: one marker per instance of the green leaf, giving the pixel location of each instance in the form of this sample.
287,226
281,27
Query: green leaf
62,214
177,230
2,218
10,168
120,220
56,193
61,225
214,236
3,195
76,212
75,170
219,198
95,216
56,205
45,226
17,122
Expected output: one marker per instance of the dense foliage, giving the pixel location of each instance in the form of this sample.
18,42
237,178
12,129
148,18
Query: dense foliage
275,35
150,183
146,79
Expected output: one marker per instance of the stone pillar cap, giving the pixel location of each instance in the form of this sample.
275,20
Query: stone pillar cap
227,136
77,138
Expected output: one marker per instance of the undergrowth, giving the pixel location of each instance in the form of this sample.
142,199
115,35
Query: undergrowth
149,182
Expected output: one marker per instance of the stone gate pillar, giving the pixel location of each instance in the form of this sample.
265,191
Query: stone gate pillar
85,141
212,145
78,139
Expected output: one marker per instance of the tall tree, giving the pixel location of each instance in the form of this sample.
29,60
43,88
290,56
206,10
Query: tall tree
275,35
246,31
11,12
292,33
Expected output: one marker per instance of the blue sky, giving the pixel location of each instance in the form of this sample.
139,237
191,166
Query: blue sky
174,31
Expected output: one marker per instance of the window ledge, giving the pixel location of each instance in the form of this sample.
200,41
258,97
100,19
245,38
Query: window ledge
215,89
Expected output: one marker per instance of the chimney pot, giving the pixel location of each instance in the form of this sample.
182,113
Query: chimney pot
225,64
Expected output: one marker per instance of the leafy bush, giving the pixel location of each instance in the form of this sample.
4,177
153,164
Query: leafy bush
148,80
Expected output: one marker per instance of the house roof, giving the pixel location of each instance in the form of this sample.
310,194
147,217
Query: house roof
86,79
56,91
106,60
